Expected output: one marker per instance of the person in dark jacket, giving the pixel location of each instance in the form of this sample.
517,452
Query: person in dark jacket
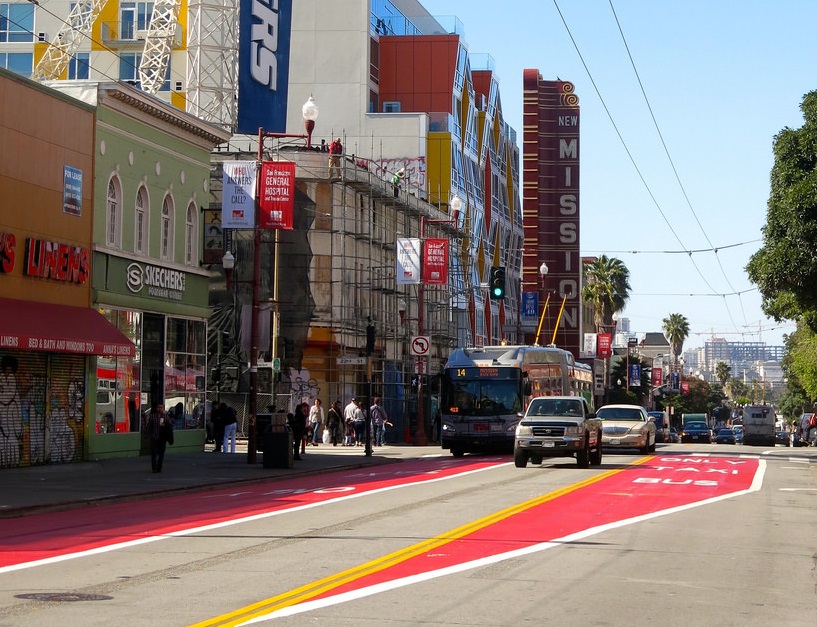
217,418
229,423
334,422
159,432
297,424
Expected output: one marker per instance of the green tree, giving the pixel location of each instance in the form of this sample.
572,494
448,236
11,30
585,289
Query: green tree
785,267
676,330
606,288
723,372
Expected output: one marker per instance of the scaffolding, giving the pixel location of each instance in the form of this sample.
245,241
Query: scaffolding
337,278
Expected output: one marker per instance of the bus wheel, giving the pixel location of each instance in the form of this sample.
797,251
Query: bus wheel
457,451
520,458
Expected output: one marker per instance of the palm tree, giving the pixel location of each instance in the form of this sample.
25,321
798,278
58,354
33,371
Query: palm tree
606,288
723,372
676,330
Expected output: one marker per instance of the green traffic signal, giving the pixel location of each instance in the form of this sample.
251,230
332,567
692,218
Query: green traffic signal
497,284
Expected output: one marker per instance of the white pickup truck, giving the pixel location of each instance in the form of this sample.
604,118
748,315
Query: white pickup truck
558,426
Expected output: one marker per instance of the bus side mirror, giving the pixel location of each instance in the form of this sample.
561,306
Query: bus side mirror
526,388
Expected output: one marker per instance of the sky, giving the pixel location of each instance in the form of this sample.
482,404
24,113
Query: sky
674,180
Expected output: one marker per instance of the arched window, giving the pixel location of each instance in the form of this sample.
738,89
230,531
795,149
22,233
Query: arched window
113,214
141,226
191,236
167,228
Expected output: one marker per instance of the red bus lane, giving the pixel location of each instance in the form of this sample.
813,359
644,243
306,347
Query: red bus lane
656,486
43,538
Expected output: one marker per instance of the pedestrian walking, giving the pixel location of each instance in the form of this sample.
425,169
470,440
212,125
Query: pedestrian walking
349,414
229,423
334,422
335,152
159,432
301,435
380,421
316,421
360,425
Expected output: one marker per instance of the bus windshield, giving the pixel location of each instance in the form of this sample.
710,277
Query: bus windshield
474,396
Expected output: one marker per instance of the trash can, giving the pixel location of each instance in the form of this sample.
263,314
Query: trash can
277,445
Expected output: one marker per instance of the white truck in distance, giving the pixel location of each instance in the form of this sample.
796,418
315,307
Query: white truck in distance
758,425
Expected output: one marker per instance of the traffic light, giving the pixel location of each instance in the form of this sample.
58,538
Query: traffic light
496,285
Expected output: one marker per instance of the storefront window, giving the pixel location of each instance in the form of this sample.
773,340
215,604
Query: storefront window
118,398
185,369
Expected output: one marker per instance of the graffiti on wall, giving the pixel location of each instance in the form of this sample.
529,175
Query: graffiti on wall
33,431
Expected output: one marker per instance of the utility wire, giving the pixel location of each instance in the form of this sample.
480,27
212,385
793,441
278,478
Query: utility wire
671,162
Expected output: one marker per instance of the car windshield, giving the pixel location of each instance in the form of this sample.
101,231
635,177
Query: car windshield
620,413
555,407
726,432
696,425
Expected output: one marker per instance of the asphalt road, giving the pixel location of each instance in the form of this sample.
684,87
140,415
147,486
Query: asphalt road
367,547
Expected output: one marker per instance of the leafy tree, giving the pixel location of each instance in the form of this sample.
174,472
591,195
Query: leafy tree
637,395
606,288
723,373
785,267
676,330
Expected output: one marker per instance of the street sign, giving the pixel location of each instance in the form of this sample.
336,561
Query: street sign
276,365
351,361
420,345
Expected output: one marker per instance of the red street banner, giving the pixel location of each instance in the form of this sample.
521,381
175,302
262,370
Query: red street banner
435,261
684,388
605,345
657,378
276,204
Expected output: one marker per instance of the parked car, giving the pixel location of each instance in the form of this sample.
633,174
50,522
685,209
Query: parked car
674,436
696,432
782,437
725,436
738,430
626,426
805,433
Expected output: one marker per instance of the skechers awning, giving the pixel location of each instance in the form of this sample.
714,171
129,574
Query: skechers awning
25,325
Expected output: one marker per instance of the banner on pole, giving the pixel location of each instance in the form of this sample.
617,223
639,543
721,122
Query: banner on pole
277,202
238,195
408,261
605,345
435,261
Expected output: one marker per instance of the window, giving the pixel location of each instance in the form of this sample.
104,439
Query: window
113,214
78,67
129,67
134,17
16,23
140,230
391,107
167,228
18,62
191,236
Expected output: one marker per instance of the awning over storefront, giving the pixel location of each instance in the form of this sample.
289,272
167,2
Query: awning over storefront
26,325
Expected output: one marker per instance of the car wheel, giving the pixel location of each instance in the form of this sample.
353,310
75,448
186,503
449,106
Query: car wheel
812,437
583,456
595,456
646,448
520,458
652,447
457,451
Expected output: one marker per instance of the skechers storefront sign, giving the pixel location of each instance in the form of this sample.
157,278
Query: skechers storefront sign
155,281
263,58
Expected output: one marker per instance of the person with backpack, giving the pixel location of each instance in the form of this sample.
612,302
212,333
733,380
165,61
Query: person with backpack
379,420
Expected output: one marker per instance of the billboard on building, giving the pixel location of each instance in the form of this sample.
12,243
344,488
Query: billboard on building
263,65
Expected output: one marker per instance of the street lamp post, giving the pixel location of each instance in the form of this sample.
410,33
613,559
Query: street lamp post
543,273
310,114
420,437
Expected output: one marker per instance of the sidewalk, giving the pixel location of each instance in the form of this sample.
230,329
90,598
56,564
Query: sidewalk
25,491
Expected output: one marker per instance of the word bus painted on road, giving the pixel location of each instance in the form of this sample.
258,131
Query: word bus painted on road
485,389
